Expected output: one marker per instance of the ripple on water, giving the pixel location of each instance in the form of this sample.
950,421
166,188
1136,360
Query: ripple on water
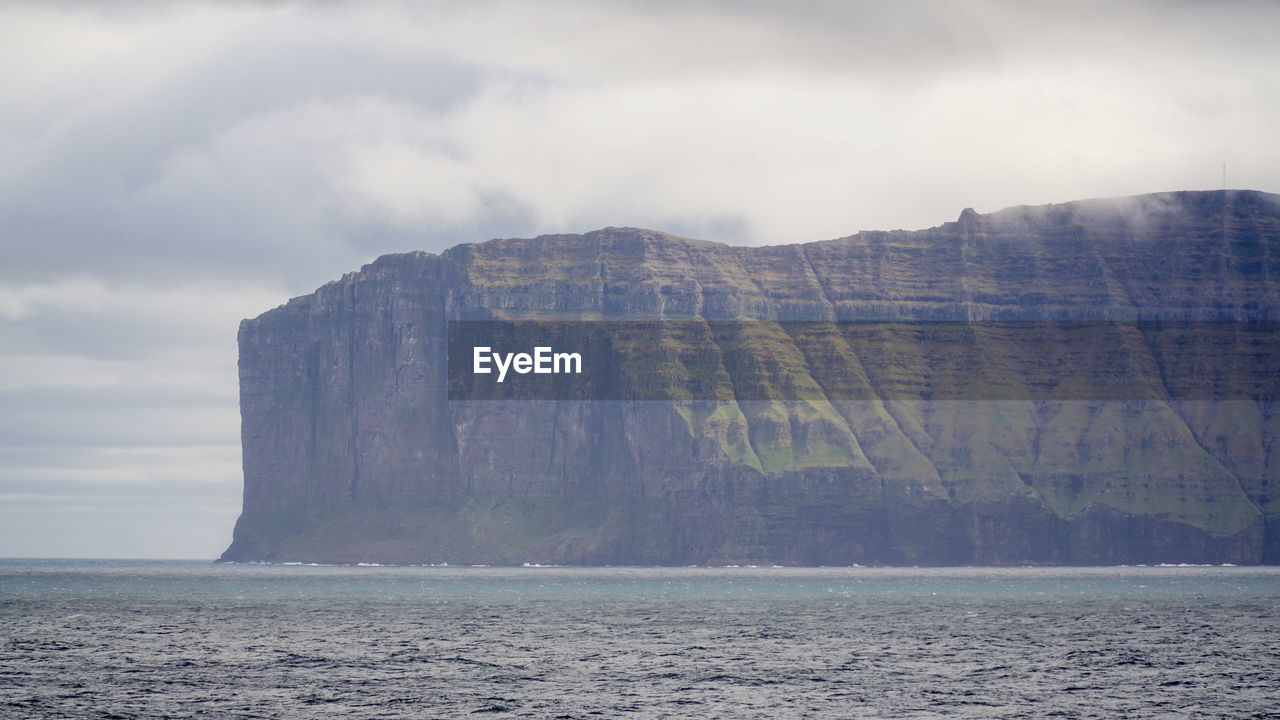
187,640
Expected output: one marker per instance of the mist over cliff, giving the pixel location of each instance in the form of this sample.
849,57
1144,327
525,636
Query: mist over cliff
813,447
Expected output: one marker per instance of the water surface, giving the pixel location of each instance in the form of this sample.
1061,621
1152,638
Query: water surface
195,639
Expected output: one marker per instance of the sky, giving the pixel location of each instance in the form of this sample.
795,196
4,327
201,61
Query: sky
167,169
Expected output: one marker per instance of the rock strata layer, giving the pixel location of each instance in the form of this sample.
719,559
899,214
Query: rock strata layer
354,451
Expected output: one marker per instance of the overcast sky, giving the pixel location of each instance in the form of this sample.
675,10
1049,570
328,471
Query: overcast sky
167,169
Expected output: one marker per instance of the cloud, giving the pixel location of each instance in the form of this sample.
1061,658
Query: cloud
85,316
293,142
190,469
111,524
116,400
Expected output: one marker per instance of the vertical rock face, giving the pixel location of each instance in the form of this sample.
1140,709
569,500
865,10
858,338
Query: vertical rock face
354,451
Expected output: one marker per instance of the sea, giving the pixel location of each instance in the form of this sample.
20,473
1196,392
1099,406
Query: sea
195,639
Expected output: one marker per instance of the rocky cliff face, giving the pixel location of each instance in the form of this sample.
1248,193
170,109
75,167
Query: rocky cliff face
354,451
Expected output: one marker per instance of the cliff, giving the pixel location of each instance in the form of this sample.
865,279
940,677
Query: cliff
808,447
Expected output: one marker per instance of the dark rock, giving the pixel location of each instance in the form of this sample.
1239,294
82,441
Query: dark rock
353,450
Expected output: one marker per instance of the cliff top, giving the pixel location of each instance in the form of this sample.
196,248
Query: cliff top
1187,253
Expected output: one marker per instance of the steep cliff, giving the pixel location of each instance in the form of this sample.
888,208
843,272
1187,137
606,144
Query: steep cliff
813,447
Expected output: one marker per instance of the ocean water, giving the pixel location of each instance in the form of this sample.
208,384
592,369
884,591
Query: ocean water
144,639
